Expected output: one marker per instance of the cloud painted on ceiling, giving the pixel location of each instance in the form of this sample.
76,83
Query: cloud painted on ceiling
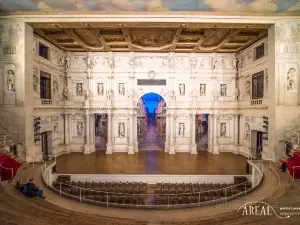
233,6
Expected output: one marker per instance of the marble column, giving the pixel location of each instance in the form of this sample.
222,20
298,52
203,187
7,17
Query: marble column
70,128
210,132
87,149
131,132
66,120
193,134
92,133
236,130
172,134
215,134
135,141
109,134
167,144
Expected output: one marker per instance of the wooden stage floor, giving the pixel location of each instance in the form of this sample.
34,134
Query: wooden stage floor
152,162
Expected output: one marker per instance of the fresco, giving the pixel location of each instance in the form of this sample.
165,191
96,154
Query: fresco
233,6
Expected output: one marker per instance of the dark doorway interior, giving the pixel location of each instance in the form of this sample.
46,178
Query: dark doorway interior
46,143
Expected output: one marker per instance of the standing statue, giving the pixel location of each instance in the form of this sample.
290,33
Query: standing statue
79,128
100,89
202,89
236,94
67,62
181,130
172,94
11,81
182,89
223,130
121,89
65,93
121,130
55,87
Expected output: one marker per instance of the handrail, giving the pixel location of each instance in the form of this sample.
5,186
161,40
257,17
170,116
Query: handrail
11,132
224,197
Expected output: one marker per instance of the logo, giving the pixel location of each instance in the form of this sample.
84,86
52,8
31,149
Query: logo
259,209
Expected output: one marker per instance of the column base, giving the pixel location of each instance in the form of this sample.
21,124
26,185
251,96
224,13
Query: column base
172,150
109,150
167,147
215,149
88,149
130,150
194,150
136,148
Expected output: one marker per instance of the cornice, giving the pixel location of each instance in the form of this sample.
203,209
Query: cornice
133,108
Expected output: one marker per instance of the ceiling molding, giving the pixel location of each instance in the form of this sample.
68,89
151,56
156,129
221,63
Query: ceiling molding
151,37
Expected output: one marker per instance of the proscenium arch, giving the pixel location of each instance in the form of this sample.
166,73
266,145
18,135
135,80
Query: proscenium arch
151,92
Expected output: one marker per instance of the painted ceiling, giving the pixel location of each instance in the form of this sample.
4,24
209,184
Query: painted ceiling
229,6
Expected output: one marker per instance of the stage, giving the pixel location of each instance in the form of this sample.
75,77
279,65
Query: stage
152,162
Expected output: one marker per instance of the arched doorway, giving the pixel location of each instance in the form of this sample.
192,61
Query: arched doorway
151,122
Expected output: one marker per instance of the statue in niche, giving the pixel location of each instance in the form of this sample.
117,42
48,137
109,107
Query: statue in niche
202,89
55,87
223,89
290,79
79,128
223,130
100,89
121,129
65,93
79,89
247,131
248,88
11,82
110,94
181,129
35,81
236,94
121,89
182,89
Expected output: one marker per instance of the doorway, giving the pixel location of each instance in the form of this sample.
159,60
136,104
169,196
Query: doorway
46,143
151,122
101,131
256,144
201,132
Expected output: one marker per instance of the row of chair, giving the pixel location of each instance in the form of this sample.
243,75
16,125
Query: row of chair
175,188
126,188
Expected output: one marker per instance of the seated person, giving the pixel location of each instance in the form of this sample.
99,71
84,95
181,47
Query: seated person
32,190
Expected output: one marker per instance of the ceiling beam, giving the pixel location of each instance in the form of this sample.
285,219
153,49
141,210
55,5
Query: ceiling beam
176,38
100,38
127,38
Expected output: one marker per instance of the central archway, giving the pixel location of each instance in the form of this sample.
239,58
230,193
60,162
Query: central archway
151,122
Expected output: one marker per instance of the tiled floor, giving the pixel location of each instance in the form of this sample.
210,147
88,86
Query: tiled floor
152,162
